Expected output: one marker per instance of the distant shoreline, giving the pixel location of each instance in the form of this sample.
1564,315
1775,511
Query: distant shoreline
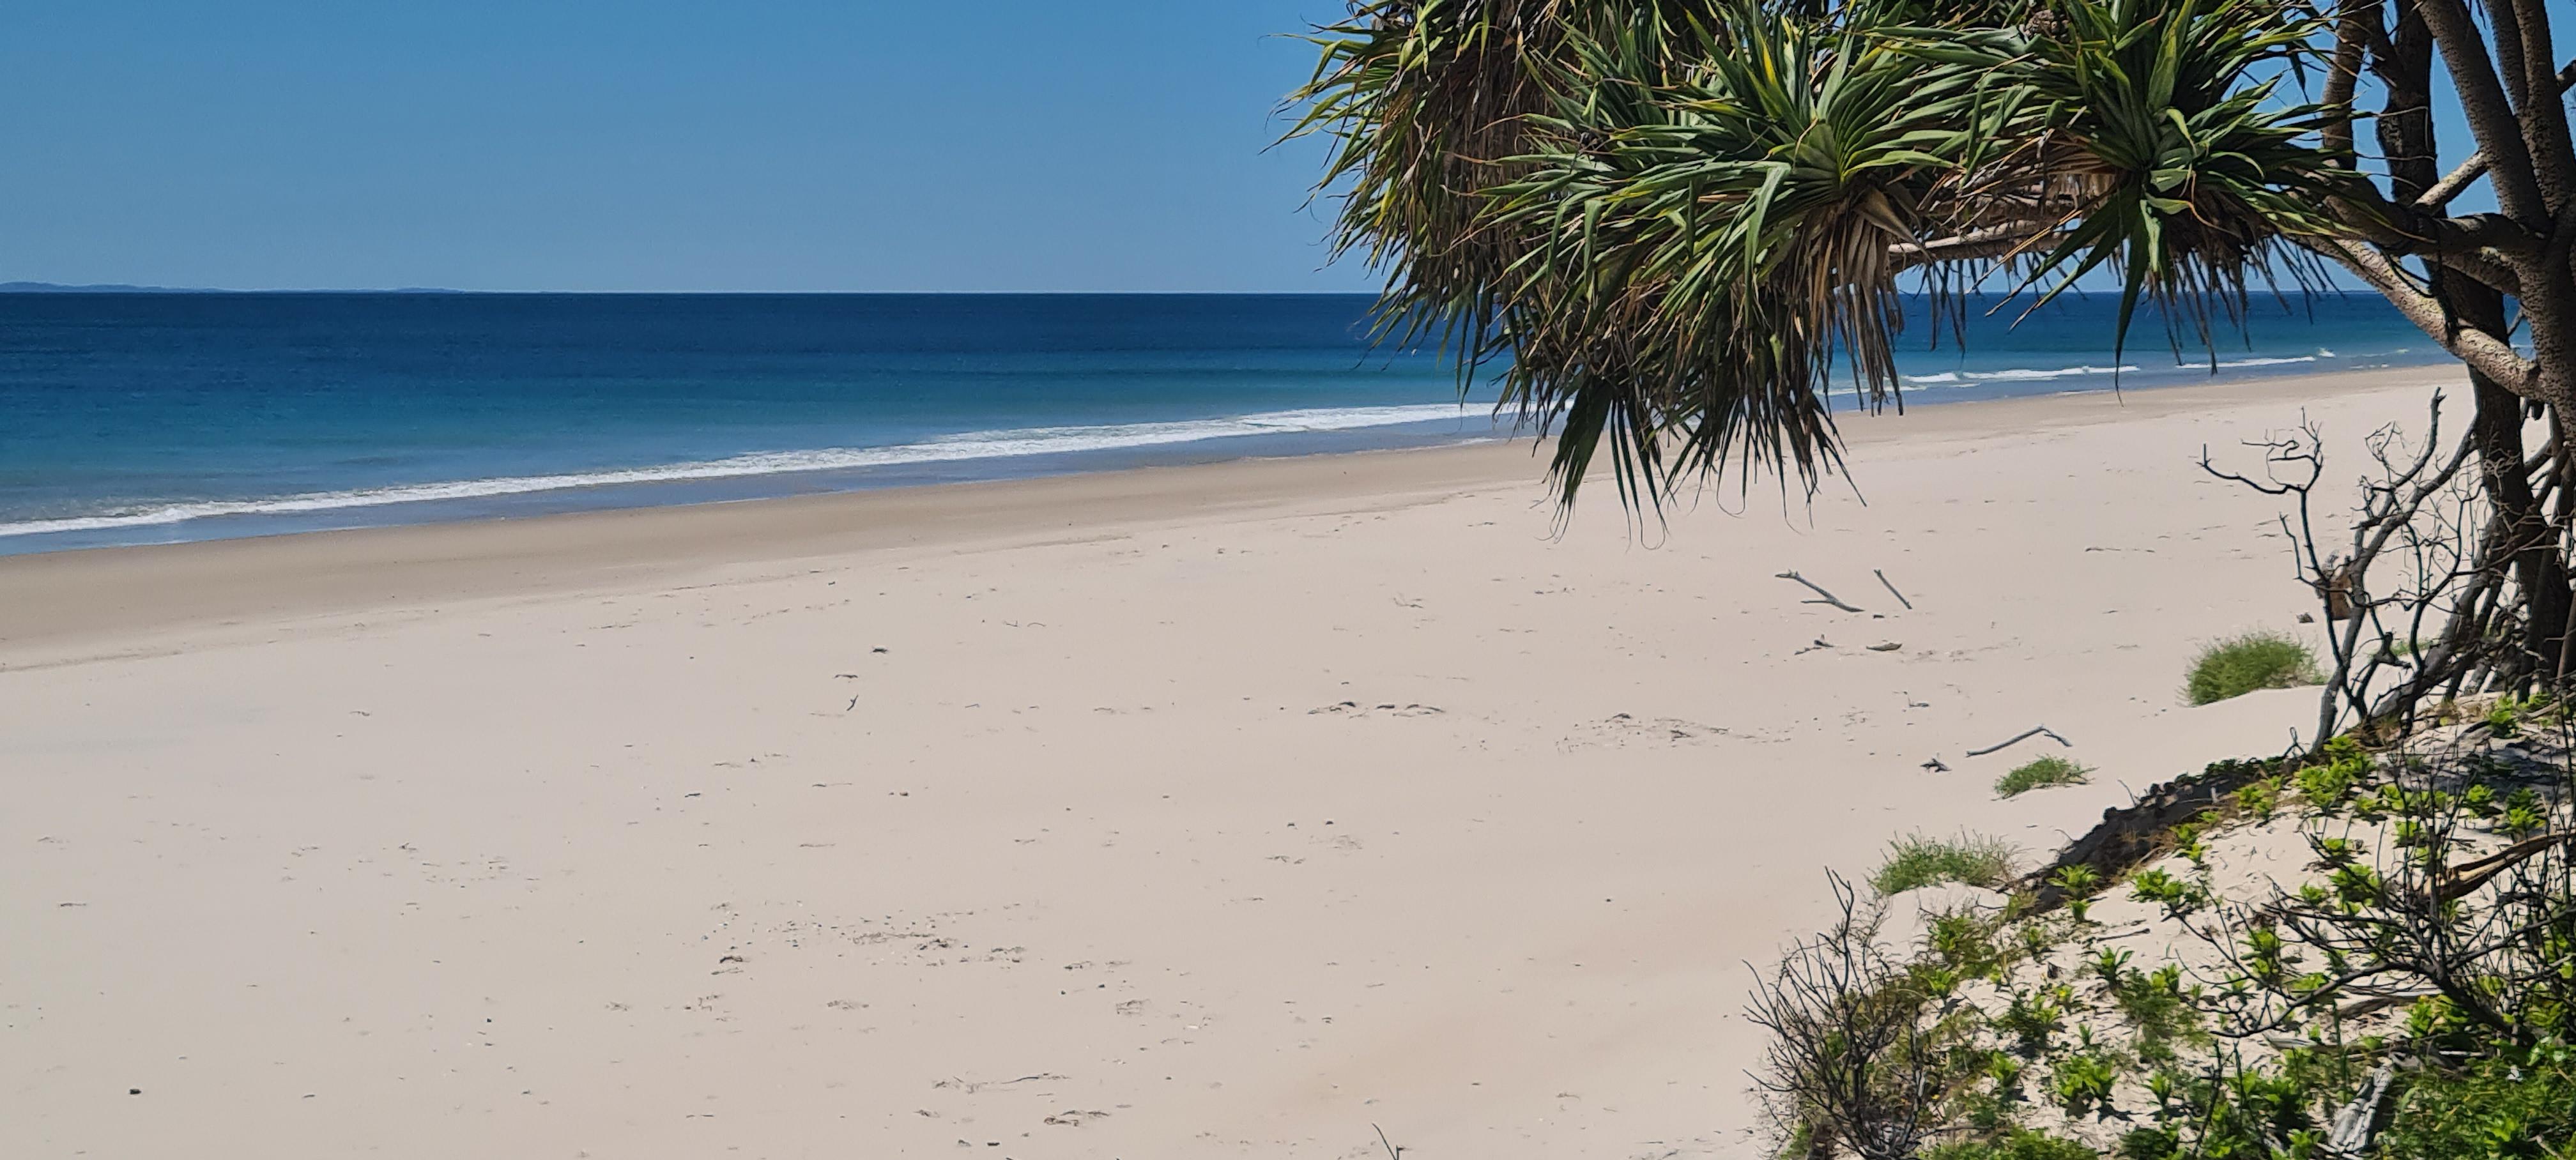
852,471
222,578
158,417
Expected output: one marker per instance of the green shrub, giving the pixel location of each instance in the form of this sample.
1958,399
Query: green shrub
2261,800
2330,784
2158,1010
2178,896
2032,1017
2519,1103
2242,664
2083,1083
2150,1144
2046,771
1917,861
2079,883
1964,942
2019,1145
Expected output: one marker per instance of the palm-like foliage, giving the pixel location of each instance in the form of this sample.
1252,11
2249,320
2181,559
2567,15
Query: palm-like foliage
2158,120
1700,250
1674,227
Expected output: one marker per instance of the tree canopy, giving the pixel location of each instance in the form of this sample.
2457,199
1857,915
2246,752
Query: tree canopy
1674,226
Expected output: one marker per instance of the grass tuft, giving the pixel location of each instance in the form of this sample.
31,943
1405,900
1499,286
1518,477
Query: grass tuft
2040,774
2256,660
1915,862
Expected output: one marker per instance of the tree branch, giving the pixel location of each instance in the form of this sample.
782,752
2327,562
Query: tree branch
2544,119
2492,356
2491,116
1991,242
2343,75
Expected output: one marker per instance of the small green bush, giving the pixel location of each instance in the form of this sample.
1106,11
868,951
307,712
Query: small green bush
2242,664
2178,896
1915,862
2150,1144
2018,1145
2046,771
2158,1010
2084,1083
2520,1102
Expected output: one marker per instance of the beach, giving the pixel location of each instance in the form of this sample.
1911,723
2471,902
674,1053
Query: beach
1226,809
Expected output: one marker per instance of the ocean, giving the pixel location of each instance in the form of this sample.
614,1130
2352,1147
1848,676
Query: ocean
130,418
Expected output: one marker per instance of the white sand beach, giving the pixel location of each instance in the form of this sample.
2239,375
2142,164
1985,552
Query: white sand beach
1244,809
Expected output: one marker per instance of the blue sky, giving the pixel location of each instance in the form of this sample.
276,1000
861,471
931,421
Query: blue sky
793,145
798,145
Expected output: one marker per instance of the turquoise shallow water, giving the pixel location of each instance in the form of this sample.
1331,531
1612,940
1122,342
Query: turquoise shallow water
133,418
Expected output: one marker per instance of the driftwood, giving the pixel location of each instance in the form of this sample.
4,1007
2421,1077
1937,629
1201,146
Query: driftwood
2460,881
1829,598
1891,589
2040,731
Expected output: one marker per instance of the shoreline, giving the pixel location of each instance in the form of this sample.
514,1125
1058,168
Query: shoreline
965,456
72,594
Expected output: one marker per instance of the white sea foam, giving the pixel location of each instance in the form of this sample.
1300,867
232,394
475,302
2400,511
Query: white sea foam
2020,374
2271,362
970,445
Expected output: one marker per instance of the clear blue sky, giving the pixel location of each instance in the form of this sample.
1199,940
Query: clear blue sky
801,145
946,145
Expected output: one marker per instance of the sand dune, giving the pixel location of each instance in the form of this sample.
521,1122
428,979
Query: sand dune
1224,810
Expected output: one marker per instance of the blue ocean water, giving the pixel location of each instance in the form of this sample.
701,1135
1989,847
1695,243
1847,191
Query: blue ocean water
134,418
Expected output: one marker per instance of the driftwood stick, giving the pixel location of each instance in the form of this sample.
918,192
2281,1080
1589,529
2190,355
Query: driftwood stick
2040,731
2463,880
1891,589
1829,598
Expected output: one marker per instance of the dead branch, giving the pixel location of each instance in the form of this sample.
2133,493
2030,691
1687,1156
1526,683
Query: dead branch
1891,589
1829,598
2463,880
1849,1055
2041,731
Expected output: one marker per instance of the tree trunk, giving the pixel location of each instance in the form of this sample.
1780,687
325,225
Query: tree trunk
2529,544
2529,539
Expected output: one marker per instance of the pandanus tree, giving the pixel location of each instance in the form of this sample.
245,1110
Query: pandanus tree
1671,229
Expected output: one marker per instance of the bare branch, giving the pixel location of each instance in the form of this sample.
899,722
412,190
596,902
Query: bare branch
2041,731
1891,589
1829,598
2491,355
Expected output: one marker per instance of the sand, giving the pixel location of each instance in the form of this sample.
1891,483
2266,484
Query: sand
1240,809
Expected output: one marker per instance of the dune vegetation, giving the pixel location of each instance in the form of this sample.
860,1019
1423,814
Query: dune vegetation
1916,861
2042,773
2242,664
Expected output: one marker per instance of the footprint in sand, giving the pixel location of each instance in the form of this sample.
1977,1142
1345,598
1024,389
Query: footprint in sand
1623,731
1387,709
